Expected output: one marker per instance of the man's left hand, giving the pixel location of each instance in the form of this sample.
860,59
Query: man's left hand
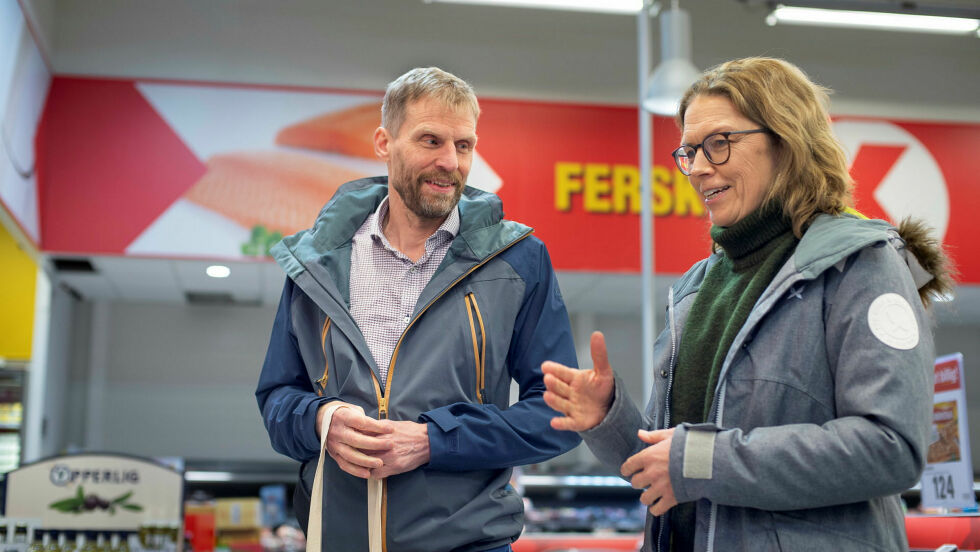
409,448
649,469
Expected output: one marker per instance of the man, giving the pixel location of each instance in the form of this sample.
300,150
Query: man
409,307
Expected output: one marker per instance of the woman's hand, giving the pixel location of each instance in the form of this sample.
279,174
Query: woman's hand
583,396
649,469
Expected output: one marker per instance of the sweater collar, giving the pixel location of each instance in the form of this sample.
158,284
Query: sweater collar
745,241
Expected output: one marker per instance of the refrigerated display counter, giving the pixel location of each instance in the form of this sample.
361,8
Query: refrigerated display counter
930,532
578,542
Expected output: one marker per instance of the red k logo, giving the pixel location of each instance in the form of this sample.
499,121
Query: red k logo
894,174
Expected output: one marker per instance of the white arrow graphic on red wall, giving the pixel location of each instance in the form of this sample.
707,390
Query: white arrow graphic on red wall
900,175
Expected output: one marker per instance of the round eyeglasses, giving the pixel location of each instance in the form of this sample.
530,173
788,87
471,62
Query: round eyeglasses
717,149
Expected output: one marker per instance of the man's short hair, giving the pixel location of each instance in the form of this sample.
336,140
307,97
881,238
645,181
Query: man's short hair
425,82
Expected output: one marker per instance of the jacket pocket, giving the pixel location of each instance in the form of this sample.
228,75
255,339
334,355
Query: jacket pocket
831,528
478,333
321,384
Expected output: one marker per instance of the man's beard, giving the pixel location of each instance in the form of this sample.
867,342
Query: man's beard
429,206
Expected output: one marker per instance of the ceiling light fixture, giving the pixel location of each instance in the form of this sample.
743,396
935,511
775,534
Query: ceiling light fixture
676,71
872,20
218,271
601,6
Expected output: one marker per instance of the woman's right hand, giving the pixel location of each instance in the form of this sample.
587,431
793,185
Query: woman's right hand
583,396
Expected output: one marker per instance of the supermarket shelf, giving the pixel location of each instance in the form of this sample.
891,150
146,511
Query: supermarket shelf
572,481
528,481
203,476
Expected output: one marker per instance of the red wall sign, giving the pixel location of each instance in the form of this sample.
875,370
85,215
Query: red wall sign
123,165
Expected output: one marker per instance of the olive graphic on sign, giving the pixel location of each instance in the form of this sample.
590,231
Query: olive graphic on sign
81,503
93,501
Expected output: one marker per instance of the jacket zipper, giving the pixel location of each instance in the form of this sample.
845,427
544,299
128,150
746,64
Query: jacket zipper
322,382
720,402
479,344
713,514
670,378
385,395
673,356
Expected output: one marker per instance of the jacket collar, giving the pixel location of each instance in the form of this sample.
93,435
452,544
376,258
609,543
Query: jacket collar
323,251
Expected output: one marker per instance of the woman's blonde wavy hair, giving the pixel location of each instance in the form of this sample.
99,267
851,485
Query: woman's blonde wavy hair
811,168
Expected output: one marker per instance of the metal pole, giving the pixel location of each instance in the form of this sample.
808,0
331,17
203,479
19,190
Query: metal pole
646,198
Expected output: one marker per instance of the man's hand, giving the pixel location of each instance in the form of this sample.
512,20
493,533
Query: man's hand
649,469
352,439
408,448
583,396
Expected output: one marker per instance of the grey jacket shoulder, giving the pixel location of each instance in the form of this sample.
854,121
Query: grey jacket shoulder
831,239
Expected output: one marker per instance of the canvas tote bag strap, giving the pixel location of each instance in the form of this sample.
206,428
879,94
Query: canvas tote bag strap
314,531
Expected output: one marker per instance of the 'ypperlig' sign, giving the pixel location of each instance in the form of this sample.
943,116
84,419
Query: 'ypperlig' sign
94,492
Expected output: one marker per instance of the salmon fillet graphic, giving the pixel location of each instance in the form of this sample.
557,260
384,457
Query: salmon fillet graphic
348,131
278,191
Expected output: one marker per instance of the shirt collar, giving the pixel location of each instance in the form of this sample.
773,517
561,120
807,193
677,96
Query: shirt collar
447,230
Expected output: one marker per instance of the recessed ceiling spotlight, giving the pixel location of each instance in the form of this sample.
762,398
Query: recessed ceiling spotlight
218,271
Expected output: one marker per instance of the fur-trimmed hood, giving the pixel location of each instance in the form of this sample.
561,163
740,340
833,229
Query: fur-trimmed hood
930,257
830,239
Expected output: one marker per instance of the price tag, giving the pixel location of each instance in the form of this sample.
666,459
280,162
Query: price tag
946,489
947,481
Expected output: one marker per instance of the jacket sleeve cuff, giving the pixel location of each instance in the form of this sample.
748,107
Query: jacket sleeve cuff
621,408
308,410
615,439
443,437
692,452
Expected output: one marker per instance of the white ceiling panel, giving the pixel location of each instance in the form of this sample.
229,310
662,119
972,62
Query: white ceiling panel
89,286
140,279
243,283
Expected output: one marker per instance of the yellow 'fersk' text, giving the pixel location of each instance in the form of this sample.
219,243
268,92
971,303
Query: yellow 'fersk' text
609,188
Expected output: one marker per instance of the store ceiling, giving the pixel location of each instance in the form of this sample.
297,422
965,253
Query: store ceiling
504,52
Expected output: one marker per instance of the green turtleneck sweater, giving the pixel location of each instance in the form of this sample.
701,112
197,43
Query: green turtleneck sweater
754,250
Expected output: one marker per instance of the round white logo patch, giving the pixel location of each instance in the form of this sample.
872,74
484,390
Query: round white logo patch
892,321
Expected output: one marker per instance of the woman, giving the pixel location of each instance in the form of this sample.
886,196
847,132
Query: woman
792,396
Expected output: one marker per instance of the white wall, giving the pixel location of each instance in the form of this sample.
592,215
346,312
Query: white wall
57,389
178,380
24,81
47,392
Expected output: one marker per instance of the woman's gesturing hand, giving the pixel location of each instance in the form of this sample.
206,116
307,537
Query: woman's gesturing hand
649,470
583,396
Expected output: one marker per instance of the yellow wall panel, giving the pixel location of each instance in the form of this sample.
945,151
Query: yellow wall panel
16,299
